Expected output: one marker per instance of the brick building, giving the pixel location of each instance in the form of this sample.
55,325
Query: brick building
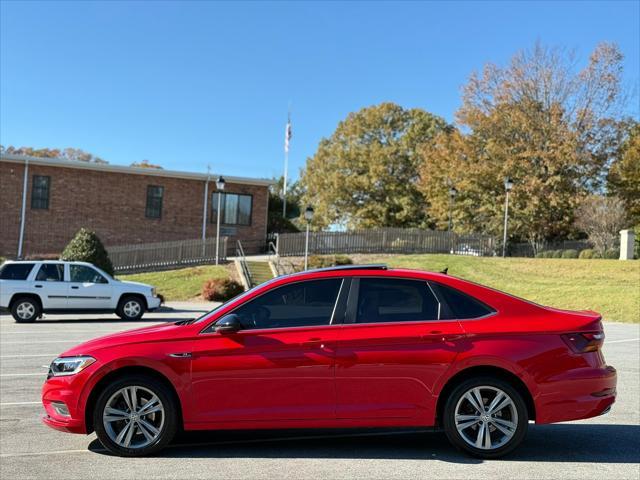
124,205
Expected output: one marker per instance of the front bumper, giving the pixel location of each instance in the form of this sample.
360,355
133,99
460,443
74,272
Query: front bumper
576,395
153,303
67,390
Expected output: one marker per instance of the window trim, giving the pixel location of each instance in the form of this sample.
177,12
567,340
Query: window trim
214,206
147,207
40,199
340,303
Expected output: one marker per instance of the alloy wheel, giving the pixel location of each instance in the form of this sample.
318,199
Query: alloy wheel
132,308
486,417
133,417
25,310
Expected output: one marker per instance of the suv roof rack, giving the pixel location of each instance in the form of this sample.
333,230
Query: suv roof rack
374,266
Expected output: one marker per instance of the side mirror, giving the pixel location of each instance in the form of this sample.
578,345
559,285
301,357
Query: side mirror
228,324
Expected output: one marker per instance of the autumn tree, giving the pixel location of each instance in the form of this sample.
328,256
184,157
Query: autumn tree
365,174
146,164
551,129
74,154
624,174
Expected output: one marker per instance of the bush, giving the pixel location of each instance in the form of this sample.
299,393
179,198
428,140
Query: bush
221,289
317,261
570,253
557,254
636,249
587,254
87,247
612,254
541,255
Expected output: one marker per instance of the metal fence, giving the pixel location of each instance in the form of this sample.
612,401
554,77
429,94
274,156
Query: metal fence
161,255
386,240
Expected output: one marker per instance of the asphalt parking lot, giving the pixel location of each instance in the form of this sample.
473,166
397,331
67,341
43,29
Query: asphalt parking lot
603,447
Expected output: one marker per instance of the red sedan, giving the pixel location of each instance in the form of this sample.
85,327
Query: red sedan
363,346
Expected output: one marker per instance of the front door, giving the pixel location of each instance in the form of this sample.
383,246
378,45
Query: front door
392,349
279,366
49,284
88,289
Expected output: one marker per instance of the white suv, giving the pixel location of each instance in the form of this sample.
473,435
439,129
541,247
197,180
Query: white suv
30,288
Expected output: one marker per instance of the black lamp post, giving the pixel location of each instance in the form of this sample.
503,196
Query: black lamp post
220,186
508,185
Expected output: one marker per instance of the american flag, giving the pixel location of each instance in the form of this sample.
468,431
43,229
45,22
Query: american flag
287,136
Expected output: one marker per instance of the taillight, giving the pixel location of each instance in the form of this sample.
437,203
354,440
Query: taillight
584,342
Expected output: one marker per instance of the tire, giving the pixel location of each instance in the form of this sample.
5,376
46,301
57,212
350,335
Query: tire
26,310
127,309
160,425
503,438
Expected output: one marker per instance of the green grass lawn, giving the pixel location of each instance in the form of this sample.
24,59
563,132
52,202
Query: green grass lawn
611,287
181,284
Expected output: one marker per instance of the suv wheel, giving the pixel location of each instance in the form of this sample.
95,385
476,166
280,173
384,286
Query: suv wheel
485,417
130,308
25,310
135,416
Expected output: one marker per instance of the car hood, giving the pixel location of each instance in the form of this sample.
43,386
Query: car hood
135,284
153,333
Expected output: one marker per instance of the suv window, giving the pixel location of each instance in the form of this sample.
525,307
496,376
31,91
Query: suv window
461,305
51,272
15,271
296,305
395,300
84,274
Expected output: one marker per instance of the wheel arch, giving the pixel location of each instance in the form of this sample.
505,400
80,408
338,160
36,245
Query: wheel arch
482,370
32,295
118,373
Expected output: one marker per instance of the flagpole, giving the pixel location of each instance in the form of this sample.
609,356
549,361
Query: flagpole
287,139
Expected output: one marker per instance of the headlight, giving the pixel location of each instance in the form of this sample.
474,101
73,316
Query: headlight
64,366
153,291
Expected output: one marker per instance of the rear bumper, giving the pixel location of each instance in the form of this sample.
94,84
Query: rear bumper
577,394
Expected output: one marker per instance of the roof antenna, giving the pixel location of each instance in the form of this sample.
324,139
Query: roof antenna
444,272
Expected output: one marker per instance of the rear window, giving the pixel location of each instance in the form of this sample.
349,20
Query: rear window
461,305
15,271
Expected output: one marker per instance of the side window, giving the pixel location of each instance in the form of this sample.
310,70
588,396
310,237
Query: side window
296,305
461,305
40,192
84,274
395,300
15,271
51,272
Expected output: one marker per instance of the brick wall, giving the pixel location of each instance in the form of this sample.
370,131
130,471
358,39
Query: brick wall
113,204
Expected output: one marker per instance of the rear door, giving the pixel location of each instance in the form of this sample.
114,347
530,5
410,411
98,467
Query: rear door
50,285
88,289
392,349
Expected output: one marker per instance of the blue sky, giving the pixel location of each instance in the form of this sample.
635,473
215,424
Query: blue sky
185,84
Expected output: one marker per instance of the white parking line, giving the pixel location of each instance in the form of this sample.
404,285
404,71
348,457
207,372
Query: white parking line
52,355
623,341
42,374
32,342
12,404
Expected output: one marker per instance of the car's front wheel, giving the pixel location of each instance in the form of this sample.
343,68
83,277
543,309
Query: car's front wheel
25,310
135,416
130,308
485,417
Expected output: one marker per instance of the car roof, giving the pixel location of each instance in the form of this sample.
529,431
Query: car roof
49,261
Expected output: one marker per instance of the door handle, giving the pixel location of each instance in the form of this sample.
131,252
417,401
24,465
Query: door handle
314,341
38,286
75,288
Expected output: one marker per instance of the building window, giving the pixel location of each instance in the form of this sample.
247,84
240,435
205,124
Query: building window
235,209
154,201
40,192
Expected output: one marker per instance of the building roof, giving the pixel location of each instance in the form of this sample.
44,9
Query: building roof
61,162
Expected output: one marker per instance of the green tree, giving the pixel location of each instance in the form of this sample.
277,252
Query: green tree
624,174
551,129
275,222
365,174
87,247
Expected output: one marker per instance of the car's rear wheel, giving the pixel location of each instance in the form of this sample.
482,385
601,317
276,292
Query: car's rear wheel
485,417
135,416
25,310
130,308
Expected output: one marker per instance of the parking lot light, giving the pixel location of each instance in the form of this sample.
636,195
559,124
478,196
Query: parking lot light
308,215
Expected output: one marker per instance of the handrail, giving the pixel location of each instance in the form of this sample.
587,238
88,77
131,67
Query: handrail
243,264
272,249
